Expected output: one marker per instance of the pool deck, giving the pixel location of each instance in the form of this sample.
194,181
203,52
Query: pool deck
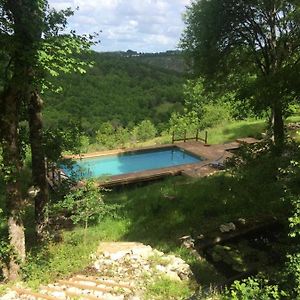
211,154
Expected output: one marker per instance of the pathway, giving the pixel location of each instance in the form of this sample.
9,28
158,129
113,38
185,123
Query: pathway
120,272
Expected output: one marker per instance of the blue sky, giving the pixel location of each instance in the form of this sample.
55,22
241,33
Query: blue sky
141,25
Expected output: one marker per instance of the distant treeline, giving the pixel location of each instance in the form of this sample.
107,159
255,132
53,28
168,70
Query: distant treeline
123,90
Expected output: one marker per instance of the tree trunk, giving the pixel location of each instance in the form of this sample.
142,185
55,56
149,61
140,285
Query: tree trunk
278,127
38,165
12,166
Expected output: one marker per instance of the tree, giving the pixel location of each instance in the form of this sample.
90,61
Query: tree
252,44
84,205
29,35
18,40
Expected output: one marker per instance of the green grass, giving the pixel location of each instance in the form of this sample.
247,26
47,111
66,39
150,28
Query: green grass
231,131
163,288
220,134
71,255
158,214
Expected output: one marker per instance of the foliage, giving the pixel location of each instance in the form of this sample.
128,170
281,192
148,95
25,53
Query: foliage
195,96
105,136
246,48
61,139
109,137
215,114
252,289
5,249
144,131
292,273
118,89
181,123
55,261
84,204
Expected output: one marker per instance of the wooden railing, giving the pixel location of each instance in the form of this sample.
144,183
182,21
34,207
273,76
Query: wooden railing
185,138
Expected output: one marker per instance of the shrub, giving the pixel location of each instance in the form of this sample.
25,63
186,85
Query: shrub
85,204
215,114
144,131
252,289
106,135
188,122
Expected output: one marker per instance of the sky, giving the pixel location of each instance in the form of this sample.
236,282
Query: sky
139,25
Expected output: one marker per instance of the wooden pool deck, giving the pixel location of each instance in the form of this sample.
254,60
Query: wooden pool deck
212,155
209,153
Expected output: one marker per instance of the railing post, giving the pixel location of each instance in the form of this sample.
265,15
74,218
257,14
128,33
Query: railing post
173,137
197,135
184,136
205,137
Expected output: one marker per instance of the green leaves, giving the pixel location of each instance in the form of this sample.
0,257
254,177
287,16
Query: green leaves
252,289
85,204
295,218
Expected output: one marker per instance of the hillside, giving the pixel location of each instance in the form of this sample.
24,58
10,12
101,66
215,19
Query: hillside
120,88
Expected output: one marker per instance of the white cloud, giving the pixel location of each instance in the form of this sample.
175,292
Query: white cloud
141,25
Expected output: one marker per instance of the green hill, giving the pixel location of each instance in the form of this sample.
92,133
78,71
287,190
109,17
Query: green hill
123,89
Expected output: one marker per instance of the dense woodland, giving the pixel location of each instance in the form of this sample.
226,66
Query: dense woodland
119,88
240,77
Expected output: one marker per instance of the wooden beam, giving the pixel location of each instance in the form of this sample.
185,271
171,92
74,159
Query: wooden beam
72,294
32,294
86,286
100,281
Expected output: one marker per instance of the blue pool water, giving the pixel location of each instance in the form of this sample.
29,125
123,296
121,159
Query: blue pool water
129,162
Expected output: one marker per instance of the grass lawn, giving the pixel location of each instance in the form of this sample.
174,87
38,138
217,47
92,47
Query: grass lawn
159,214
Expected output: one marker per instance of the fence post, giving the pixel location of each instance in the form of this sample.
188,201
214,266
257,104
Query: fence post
173,137
197,135
184,136
205,137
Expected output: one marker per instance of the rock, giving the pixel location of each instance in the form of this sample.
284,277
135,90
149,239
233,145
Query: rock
11,295
131,264
187,241
158,253
200,236
242,221
118,255
227,227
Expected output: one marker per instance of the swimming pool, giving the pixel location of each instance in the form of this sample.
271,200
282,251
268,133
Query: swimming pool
129,162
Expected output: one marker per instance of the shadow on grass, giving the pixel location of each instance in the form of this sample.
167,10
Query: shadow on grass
232,131
244,130
161,213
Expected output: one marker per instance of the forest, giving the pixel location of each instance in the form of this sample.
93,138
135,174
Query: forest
230,233
119,89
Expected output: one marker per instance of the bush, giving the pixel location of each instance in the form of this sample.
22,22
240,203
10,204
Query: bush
253,289
215,114
144,131
188,122
106,135
84,205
